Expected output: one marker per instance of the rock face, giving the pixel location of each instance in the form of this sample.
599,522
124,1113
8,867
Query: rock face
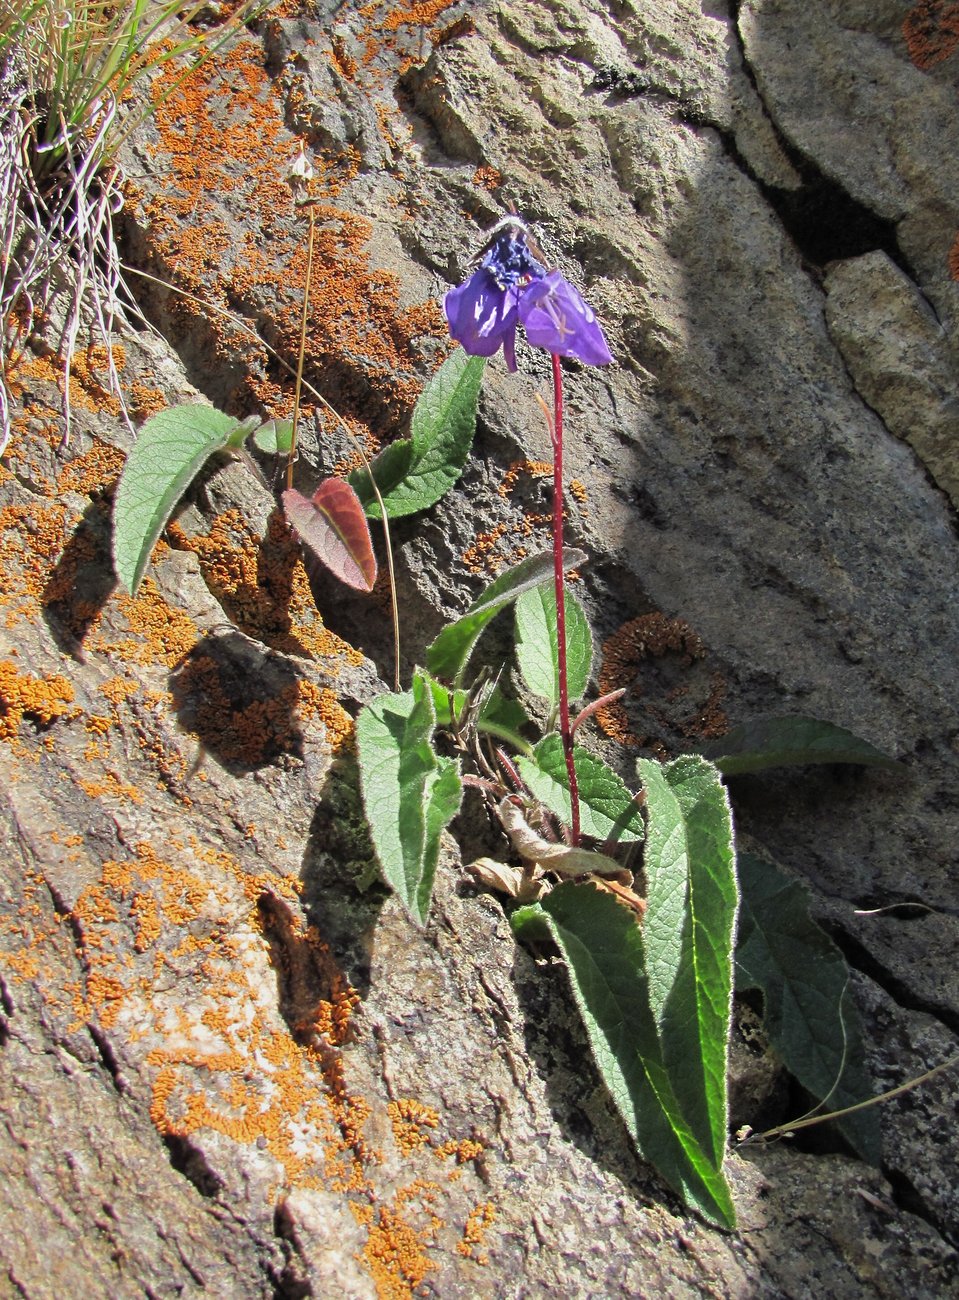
228,1064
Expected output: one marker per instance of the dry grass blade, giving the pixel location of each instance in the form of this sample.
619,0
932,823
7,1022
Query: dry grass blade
69,70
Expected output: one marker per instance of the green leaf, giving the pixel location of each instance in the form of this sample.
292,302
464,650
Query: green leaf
603,949
691,900
809,1013
275,437
788,742
410,793
448,655
607,809
537,643
167,455
444,421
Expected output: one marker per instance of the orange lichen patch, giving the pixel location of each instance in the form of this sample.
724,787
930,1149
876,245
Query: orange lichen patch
263,586
117,689
487,178
110,786
320,702
413,1123
480,1220
23,697
954,259
341,58
144,401
931,32
519,468
160,633
395,1252
651,635
93,472
577,490
251,732
29,536
354,311
482,556
462,1151
415,13
87,391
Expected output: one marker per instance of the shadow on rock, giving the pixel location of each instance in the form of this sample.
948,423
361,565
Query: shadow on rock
342,895
239,702
81,582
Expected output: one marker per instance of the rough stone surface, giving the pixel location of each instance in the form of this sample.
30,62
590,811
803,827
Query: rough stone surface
228,1064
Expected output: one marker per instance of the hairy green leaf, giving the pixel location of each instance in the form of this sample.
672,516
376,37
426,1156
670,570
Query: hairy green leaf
603,949
444,421
537,643
606,806
275,437
809,1013
169,452
789,742
448,655
691,900
410,794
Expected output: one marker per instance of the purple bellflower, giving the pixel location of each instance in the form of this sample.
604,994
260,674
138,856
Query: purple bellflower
512,287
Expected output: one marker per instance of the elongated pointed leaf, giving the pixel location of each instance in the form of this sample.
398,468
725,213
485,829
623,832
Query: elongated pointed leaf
809,1014
607,808
690,923
788,742
334,527
537,642
448,655
444,421
169,452
603,949
410,793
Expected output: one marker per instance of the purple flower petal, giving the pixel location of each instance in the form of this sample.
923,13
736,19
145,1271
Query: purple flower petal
483,317
556,318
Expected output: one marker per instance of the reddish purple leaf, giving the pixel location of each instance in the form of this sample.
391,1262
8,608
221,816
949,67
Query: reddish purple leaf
334,527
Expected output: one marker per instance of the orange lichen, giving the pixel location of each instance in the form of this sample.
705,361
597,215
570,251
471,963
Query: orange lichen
931,32
110,786
577,490
23,697
480,1220
623,654
462,1150
354,310
159,632
532,468
487,178
412,1123
482,556
394,1253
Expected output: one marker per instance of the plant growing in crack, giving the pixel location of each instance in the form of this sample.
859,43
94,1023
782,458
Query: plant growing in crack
652,953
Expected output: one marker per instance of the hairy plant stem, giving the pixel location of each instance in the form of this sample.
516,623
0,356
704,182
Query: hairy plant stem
566,731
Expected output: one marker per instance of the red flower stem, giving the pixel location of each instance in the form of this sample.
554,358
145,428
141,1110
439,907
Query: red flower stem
566,731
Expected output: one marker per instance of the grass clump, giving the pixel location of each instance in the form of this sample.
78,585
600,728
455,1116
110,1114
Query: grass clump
72,88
